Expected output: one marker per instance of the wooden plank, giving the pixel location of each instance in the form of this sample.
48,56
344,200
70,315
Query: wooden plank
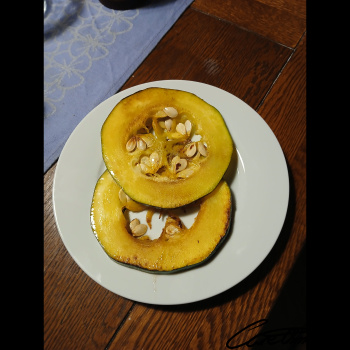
279,20
212,322
287,119
78,312
217,53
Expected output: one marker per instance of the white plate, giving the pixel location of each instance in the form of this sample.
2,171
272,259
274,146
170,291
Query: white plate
260,187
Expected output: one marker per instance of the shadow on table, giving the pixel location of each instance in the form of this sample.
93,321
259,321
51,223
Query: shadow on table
133,4
257,275
57,19
285,328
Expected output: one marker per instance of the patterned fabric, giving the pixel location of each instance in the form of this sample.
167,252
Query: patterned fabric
89,53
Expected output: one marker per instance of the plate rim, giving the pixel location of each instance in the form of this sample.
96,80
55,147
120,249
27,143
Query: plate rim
189,85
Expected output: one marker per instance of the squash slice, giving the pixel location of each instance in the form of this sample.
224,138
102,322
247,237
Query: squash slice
166,148
174,250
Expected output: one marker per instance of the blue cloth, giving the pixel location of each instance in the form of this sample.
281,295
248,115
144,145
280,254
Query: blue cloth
89,53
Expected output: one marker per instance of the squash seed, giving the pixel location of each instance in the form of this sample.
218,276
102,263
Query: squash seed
144,168
188,127
178,164
170,112
134,223
148,139
202,149
181,128
191,150
154,159
122,197
131,144
139,230
168,124
141,144
172,229
185,173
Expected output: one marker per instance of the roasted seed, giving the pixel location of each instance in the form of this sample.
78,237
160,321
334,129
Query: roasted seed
178,164
202,149
181,165
122,196
131,144
181,128
144,168
139,230
185,173
148,139
160,114
141,144
196,138
172,229
134,223
145,160
154,159
168,123
175,159
170,112
188,127
191,150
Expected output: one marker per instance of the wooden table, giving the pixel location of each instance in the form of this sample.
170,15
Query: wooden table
256,50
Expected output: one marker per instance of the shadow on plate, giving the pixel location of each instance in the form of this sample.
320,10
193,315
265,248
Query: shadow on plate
254,277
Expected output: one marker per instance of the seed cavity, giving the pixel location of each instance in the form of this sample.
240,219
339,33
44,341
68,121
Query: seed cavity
166,148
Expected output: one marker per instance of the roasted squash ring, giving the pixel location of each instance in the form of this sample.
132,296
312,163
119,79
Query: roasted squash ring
172,251
166,148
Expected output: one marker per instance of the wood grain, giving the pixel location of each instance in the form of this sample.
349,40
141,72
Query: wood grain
217,53
255,49
287,119
279,20
78,312
210,323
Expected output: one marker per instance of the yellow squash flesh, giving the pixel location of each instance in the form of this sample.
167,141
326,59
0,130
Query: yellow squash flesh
140,112
182,250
